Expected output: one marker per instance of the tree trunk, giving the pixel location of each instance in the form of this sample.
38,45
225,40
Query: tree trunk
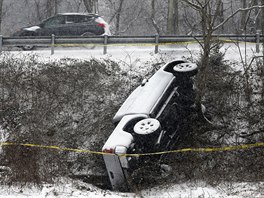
262,25
49,8
1,14
173,17
205,59
221,16
96,7
257,16
56,3
118,16
152,17
243,4
89,5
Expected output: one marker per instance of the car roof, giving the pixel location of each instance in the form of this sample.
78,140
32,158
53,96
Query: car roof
75,13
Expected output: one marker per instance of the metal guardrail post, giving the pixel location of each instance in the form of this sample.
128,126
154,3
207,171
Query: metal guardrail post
105,44
156,43
257,41
1,43
52,43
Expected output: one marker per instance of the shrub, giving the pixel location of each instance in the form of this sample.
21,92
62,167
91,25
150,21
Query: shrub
68,103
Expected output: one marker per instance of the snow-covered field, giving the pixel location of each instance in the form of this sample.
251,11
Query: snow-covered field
136,58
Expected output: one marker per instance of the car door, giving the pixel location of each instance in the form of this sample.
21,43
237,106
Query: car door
54,25
70,25
87,25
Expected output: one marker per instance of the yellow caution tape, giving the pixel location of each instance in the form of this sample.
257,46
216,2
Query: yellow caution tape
54,147
202,150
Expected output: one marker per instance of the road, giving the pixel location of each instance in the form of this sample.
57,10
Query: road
130,54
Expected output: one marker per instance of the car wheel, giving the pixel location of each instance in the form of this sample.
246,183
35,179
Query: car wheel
146,135
89,34
147,126
28,47
187,69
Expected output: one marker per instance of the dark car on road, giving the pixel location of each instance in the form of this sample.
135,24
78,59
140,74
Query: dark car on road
67,24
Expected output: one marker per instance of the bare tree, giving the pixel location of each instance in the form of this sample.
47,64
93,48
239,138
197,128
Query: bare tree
91,6
1,14
152,16
243,4
118,15
173,17
44,9
75,5
262,25
123,14
257,14
221,14
208,13
54,6
50,8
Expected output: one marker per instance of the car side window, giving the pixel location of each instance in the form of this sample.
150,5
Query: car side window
71,19
88,19
54,21
78,19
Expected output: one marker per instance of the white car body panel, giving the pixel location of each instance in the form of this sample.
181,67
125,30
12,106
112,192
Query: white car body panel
33,28
144,98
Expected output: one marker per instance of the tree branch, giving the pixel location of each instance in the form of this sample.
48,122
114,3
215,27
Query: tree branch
233,14
195,6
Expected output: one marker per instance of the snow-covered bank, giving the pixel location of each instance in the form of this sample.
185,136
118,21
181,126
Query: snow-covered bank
136,60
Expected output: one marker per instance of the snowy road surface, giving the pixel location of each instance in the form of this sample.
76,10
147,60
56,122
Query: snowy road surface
132,54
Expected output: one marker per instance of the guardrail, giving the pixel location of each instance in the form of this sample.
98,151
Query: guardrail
105,41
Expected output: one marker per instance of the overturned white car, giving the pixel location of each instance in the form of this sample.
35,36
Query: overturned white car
152,119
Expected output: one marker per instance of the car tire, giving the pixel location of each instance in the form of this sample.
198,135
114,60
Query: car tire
147,126
89,34
185,69
28,47
146,135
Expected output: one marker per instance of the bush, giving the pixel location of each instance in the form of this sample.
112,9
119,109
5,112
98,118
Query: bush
68,103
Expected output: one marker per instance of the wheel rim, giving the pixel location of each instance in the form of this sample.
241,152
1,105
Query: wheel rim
147,126
185,67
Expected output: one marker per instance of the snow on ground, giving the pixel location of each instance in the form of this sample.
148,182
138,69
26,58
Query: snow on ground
136,58
77,189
